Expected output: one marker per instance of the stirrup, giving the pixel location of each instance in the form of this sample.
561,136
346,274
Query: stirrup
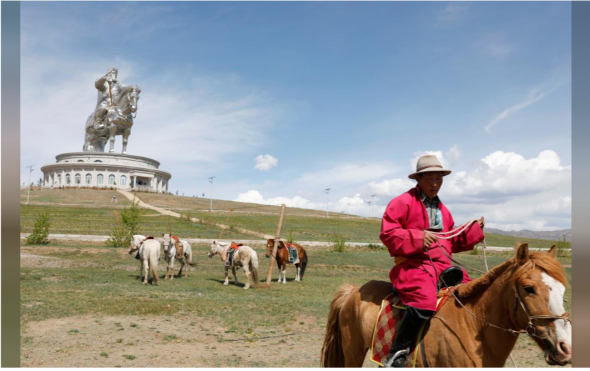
398,354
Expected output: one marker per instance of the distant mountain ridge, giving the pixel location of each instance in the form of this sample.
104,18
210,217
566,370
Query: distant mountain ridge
542,235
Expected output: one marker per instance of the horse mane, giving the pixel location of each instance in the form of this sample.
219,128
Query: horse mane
541,260
546,263
483,282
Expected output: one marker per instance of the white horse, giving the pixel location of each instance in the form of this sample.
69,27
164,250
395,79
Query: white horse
149,253
176,249
245,257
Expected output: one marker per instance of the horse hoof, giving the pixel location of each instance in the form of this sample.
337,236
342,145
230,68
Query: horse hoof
246,288
145,283
225,283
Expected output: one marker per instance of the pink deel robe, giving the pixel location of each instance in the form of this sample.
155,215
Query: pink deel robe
402,231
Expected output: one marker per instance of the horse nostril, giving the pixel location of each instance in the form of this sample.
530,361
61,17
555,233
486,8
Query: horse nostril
564,348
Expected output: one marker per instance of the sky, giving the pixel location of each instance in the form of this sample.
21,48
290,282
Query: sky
281,100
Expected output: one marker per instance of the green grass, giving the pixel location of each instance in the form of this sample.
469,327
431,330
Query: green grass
99,221
103,281
89,212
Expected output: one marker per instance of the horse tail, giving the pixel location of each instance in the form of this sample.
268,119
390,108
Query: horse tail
189,254
254,266
332,351
303,263
154,256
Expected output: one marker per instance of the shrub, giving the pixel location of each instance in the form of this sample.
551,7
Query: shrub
339,242
291,239
476,250
562,247
127,225
40,230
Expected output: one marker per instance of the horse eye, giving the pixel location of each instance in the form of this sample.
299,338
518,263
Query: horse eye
529,289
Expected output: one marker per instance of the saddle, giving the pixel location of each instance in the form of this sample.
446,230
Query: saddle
230,253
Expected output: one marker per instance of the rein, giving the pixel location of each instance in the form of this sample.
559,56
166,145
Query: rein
454,233
518,298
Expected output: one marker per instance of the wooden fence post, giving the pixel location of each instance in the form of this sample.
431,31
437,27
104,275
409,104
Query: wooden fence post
274,249
226,221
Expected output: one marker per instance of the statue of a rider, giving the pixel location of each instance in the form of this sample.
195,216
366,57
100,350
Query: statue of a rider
112,115
109,91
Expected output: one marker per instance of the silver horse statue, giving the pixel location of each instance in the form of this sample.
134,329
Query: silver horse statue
114,113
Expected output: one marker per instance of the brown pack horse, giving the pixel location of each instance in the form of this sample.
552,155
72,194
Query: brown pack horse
521,295
283,258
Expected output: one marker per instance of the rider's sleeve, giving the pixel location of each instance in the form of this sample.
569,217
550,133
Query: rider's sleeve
467,240
400,241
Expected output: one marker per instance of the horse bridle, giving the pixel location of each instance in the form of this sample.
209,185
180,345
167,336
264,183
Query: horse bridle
518,299
530,325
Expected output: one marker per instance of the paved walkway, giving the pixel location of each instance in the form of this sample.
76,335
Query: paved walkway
162,211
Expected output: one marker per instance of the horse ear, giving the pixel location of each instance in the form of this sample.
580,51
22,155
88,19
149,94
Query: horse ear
522,255
553,251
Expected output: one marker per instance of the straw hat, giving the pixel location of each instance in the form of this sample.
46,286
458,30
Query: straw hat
427,164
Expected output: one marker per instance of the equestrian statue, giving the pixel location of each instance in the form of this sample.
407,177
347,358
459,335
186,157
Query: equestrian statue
115,110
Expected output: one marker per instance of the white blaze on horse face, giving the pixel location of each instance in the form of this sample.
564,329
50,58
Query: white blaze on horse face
556,291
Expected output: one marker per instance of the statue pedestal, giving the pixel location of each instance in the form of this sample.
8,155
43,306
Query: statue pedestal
106,170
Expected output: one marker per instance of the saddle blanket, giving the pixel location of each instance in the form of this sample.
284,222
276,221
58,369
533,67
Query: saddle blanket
388,322
293,255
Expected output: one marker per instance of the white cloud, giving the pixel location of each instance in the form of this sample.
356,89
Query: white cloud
253,196
265,162
511,191
508,174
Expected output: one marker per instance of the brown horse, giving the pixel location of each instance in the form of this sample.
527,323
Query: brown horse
522,294
283,257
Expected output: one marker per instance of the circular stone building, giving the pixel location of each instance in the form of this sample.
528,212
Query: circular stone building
106,170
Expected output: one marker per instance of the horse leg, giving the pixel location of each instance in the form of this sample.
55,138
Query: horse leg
298,266
226,276
126,133
284,274
248,274
172,267
181,261
146,269
112,133
233,270
279,266
140,269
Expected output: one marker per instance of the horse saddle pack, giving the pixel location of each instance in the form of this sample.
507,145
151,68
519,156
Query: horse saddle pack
388,322
230,253
293,255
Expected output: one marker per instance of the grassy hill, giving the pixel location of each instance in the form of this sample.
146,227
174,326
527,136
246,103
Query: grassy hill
86,211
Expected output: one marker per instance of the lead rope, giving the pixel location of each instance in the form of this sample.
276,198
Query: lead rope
461,229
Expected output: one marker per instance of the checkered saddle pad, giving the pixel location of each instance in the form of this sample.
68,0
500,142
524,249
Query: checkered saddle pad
388,321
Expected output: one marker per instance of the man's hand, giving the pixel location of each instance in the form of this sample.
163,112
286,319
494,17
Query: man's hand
429,239
481,222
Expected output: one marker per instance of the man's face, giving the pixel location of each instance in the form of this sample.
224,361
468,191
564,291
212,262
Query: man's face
430,183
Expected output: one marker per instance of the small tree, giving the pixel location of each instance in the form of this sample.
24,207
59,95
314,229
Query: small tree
127,225
339,242
39,182
40,230
291,239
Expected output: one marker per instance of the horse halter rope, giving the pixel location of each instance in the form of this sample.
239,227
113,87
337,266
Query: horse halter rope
518,299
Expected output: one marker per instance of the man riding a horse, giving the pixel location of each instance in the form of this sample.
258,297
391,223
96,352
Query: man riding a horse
109,91
407,231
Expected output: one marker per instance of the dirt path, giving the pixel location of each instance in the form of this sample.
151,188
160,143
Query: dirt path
158,341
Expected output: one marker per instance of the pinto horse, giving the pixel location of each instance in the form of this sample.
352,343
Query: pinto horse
283,258
521,295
